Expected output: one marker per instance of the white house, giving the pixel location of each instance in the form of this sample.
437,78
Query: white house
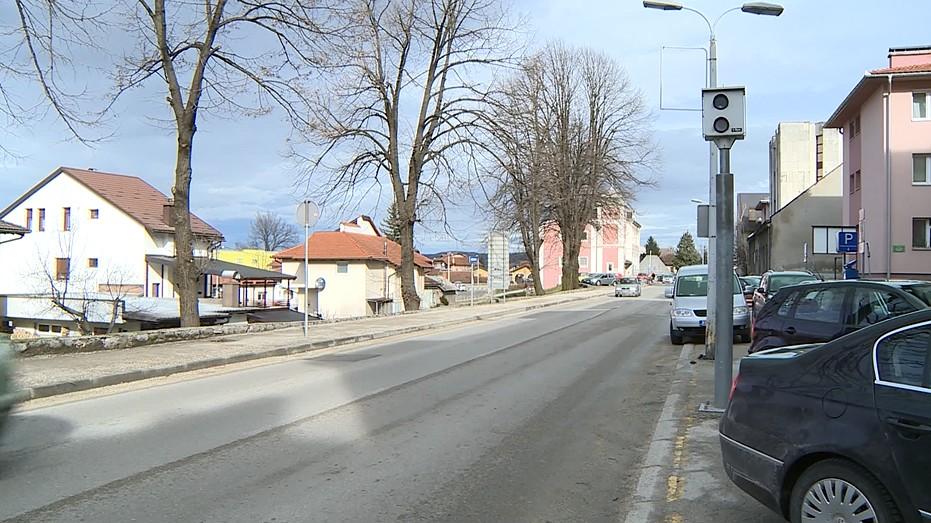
361,270
98,228
92,235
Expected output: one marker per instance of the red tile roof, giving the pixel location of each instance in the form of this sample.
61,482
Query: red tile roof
913,68
336,245
136,198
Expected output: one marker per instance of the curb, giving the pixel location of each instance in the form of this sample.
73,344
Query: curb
56,389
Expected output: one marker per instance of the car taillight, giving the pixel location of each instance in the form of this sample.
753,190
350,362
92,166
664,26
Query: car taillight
733,387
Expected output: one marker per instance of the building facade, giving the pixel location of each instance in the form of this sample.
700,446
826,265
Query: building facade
886,121
98,231
610,244
800,154
360,269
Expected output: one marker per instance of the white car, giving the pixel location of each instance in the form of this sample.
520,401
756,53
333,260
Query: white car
688,314
627,287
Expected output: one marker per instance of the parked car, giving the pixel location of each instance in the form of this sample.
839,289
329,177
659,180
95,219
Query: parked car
772,281
667,279
839,431
819,312
687,317
6,385
749,285
599,278
627,287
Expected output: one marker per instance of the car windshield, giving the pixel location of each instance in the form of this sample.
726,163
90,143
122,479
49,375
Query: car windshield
697,285
921,291
627,280
751,281
779,281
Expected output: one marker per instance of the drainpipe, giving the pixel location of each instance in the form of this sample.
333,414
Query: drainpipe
888,117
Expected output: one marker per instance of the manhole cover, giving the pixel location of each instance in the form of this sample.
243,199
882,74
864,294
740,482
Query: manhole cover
346,357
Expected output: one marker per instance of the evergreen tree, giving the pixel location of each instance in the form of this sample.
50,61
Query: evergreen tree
390,226
651,247
686,253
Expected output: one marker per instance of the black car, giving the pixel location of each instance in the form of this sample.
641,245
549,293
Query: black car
839,431
772,281
822,311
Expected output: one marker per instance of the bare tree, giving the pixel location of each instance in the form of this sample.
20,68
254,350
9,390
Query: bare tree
221,57
77,290
571,136
35,46
403,105
271,232
519,166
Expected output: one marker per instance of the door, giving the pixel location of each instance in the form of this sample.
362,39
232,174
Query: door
817,316
903,402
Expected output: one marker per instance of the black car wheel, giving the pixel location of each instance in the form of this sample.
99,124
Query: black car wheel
675,336
836,490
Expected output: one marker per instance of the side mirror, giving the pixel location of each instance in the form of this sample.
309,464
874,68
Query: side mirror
748,289
761,291
668,292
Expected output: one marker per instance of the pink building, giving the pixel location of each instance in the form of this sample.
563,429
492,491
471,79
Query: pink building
611,244
886,121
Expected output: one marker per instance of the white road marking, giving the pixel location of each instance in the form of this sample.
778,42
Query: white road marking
650,485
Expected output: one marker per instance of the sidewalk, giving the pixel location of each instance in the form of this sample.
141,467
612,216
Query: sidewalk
43,376
682,478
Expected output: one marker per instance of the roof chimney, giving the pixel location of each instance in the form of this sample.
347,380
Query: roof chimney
167,209
899,56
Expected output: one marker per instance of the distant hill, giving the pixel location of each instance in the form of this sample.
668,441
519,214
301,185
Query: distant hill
516,257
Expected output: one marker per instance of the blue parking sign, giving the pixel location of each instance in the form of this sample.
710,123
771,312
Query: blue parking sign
847,241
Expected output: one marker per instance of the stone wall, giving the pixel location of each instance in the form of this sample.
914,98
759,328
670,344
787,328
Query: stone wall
125,340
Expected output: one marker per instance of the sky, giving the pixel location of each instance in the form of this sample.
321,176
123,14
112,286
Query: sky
797,67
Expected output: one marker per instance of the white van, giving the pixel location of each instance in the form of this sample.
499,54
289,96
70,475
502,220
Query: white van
688,315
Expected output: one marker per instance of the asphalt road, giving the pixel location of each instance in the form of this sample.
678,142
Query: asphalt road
540,417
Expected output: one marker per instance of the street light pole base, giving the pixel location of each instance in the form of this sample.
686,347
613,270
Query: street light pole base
706,407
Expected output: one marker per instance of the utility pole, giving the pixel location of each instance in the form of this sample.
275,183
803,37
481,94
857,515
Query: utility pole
724,274
711,328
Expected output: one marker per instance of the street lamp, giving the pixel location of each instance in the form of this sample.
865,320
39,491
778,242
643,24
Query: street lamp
756,8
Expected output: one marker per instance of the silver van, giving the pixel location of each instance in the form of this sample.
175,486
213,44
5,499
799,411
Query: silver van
688,314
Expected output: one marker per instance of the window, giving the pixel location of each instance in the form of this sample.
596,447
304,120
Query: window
44,328
856,124
921,169
92,263
873,306
95,213
919,106
66,219
824,239
342,268
610,267
821,305
583,261
903,358
156,287
61,268
921,233
56,328
41,219
584,235
856,181
787,305
29,219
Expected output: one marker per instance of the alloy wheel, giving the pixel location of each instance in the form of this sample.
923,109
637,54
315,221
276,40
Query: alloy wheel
833,500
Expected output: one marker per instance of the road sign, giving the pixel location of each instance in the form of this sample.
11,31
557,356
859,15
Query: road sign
307,213
499,259
704,231
847,241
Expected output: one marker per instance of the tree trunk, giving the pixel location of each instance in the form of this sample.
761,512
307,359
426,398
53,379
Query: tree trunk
570,260
186,271
408,280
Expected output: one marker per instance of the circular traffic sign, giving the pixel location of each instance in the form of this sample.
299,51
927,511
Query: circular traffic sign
308,213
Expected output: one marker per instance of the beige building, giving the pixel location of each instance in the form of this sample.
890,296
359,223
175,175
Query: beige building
360,268
800,154
802,235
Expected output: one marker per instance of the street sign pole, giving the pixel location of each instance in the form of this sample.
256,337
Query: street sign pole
307,215
724,274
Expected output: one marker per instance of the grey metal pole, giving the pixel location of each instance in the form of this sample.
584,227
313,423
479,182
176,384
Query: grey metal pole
724,272
711,341
306,267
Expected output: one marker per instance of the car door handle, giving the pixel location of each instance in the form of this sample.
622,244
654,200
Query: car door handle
909,425
790,330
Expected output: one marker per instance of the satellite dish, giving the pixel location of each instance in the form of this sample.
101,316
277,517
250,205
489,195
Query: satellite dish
307,213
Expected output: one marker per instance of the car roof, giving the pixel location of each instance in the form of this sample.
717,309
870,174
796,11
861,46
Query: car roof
692,269
789,273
